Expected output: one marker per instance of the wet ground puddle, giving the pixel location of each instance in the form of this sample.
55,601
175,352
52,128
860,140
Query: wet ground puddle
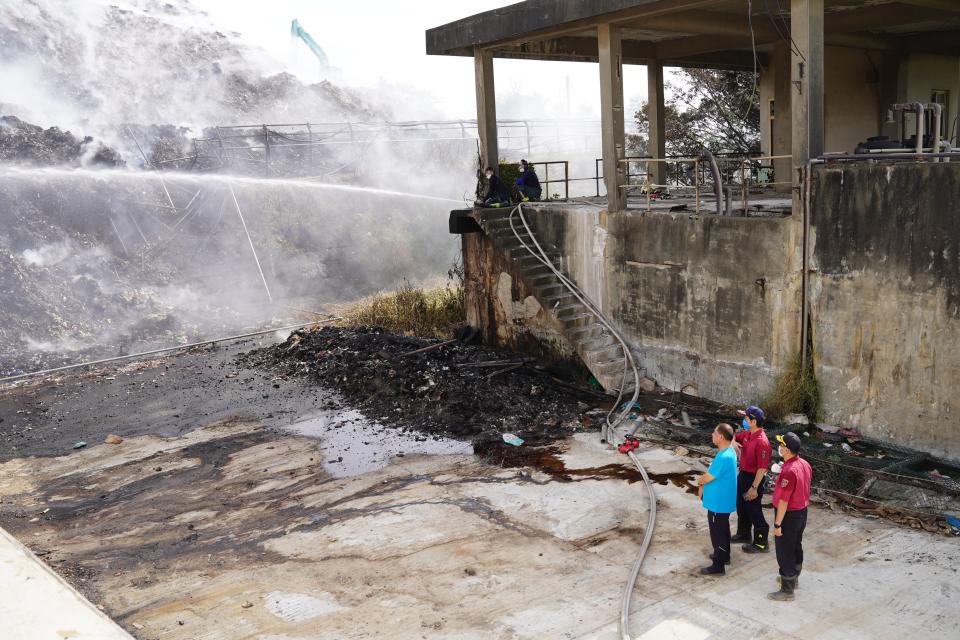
354,444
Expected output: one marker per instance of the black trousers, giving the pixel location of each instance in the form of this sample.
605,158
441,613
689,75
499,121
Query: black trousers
719,536
790,542
750,512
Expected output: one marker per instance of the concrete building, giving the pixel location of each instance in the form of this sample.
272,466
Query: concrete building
849,254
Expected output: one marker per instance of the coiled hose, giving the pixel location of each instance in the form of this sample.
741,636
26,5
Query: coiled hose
610,422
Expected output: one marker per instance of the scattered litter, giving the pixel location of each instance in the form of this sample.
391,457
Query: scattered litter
936,475
828,428
796,418
827,445
953,521
247,604
850,433
681,451
113,439
846,447
80,445
510,438
136,625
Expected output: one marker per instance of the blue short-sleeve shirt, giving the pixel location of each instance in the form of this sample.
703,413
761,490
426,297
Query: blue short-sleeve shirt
720,496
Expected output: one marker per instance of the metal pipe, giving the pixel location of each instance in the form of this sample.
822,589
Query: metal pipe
890,156
133,356
937,115
717,180
916,108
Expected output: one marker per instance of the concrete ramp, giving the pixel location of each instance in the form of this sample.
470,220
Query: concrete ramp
595,344
37,604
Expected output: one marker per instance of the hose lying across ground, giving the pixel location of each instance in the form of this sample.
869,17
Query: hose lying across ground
611,422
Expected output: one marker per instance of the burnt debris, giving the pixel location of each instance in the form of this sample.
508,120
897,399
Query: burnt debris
463,390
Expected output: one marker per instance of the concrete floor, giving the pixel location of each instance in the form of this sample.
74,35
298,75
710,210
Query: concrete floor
31,591
231,531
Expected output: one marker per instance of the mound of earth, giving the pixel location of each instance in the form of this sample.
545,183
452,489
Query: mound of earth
462,390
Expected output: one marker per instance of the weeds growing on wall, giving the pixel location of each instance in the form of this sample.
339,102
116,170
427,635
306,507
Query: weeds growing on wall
436,312
796,391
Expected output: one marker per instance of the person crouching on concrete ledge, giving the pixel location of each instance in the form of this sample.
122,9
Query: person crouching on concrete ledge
754,451
528,183
791,495
718,491
497,194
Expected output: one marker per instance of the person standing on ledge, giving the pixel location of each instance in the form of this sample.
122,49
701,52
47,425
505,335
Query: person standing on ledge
718,491
791,495
755,450
528,183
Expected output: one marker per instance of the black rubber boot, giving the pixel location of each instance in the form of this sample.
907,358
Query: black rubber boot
713,570
760,543
796,582
713,557
743,533
785,594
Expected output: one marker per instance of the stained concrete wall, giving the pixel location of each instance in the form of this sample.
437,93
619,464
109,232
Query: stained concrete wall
710,304
885,300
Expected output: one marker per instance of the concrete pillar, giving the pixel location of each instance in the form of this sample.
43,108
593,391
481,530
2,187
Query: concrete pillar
486,109
655,115
780,142
611,114
806,79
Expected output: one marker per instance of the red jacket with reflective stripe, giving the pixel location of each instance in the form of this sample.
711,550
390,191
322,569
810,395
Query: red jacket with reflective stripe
793,484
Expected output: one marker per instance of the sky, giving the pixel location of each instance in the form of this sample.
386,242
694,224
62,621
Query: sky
378,45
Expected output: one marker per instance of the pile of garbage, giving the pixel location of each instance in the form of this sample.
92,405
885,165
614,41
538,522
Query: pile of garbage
427,385
25,143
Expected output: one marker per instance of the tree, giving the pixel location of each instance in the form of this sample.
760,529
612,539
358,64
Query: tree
709,109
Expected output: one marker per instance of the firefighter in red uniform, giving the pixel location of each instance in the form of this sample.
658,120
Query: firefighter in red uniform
791,495
755,450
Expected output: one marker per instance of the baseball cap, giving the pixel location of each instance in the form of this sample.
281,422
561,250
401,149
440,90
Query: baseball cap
790,441
754,413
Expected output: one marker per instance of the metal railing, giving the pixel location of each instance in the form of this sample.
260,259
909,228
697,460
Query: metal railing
648,186
258,144
546,177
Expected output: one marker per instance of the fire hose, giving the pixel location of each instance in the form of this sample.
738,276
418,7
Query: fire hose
611,421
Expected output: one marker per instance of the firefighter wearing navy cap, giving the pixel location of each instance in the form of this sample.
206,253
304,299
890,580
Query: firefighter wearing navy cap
754,450
791,495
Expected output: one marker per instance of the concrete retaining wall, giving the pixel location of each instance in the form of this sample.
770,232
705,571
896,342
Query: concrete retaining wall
885,300
712,304
695,294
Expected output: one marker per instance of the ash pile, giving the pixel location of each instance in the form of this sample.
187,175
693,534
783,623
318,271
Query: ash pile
451,388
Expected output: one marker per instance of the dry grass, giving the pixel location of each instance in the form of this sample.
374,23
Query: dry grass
796,391
413,311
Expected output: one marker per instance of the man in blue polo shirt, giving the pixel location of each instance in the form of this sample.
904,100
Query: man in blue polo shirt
718,490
